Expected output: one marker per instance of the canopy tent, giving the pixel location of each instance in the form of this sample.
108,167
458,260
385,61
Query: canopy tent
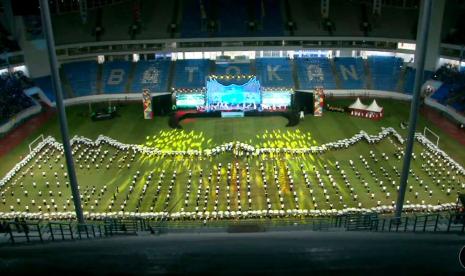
372,111
374,107
358,105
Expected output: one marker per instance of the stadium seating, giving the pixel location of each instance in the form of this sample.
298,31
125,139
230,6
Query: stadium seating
314,72
409,79
452,91
232,69
12,98
45,83
191,73
385,72
274,72
232,25
271,72
350,72
192,23
272,18
82,77
451,95
115,76
152,75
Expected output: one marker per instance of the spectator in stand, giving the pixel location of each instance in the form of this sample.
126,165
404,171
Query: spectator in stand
12,98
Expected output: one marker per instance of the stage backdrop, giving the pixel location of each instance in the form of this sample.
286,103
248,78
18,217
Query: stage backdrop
233,94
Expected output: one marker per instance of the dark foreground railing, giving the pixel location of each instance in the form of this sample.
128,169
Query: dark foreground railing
43,231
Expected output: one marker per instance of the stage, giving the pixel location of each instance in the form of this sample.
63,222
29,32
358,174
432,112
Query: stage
178,116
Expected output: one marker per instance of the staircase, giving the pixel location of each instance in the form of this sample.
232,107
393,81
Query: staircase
212,67
294,74
401,82
336,76
368,78
66,86
100,79
171,75
253,67
131,78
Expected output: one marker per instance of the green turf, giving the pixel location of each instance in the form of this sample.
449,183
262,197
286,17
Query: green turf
204,133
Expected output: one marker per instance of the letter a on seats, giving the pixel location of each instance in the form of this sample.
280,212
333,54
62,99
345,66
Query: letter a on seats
314,72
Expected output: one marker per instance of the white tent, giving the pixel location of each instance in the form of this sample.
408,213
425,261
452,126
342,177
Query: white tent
374,107
358,105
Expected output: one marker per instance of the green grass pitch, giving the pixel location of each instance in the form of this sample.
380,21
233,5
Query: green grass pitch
135,182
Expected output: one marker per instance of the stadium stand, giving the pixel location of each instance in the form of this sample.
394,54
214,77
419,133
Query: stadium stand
45,84
120,77
452,91
410,79
452,95
191,25
350,72
314,72
232,69
12,98
152,75
272,18
385,72
82,77
232,25
191,73
115,76
274,72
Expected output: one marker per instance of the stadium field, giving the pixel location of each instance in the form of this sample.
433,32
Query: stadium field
119,180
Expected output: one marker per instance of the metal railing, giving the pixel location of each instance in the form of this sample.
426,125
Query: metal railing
430,222
27,231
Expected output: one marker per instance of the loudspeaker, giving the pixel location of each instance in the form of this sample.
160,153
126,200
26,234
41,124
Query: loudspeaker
161,104
303,101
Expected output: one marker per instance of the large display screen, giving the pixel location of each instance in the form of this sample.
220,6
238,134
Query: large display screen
233,94
190,100
281,98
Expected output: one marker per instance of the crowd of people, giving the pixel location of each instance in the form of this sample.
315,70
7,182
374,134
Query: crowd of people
322,183
12,98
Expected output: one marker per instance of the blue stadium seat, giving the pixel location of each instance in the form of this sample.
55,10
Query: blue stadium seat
45,84
385,72
350,72
272,19
115,76
314,72
409,80
450,94
274,72
232,69
191,21
152,75
232,25
82,77
191,73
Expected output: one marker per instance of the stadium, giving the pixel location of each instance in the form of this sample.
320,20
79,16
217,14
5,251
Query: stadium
158,117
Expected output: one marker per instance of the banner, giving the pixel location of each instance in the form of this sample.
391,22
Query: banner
147,102
318,101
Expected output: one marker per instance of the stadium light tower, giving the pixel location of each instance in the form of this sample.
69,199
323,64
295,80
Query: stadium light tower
420,54
47,29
